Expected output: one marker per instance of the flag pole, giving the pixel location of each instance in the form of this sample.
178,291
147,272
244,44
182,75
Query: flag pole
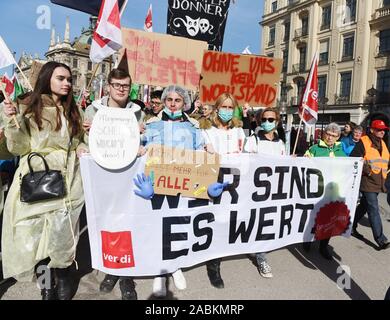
24,76
296,138
93,76
123,8
13,104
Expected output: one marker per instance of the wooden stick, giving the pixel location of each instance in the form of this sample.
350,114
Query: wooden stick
93,76
13,104
123,8
24,76
296,138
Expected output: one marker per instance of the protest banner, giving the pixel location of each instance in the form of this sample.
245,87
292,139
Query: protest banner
160,60
270,202
252,79
184,171
199,20
114,137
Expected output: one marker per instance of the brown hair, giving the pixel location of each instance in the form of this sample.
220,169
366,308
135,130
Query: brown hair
219,102
118,74
42,86
259,115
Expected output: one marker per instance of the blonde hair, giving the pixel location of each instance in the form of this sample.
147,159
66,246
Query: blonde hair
216,121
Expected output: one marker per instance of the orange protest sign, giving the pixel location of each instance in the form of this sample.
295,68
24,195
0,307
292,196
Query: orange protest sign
249,78
161,60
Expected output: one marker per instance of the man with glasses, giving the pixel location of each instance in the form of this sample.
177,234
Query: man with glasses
328,146
376,164
119,84
155,105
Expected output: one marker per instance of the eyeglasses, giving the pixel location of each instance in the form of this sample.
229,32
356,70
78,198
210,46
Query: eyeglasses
268,119
118,86
155,103
332,135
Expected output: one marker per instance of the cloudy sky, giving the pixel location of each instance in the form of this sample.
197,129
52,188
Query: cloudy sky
24,27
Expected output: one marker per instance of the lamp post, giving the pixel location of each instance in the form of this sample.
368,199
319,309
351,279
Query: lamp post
372,92
323,101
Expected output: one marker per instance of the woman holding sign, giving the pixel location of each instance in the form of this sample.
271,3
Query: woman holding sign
43,235
225,136
174,128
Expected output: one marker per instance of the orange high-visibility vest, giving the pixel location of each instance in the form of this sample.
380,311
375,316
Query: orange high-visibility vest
377,162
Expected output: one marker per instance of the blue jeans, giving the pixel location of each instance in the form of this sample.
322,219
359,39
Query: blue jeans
369,204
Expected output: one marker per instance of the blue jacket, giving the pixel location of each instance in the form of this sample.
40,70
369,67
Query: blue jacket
348,144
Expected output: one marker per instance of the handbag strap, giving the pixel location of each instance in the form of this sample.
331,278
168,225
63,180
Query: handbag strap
68,152
33,154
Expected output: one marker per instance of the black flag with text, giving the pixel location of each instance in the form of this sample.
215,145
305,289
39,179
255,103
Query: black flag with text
203,20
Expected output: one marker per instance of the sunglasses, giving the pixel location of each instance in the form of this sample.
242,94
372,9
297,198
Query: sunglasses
268,119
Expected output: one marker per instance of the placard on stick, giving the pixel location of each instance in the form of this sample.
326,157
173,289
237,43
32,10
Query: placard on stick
177,170
250,78
160,59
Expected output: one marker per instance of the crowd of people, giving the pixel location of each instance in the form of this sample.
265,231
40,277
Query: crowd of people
49,122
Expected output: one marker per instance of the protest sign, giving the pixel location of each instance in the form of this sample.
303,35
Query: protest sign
161,60
199,20
114,137
269,203
184,171
250,78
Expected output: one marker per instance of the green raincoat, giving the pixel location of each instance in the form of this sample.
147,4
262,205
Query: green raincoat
35,231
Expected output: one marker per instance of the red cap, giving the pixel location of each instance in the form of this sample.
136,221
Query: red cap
379,124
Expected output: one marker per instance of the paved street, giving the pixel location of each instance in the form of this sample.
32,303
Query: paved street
297,274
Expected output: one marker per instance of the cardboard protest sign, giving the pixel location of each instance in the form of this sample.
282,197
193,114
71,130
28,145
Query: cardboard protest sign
199,20
34,71
161,60
249,78
114,137
184,171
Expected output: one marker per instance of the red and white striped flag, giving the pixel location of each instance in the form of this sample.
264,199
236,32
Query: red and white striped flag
107,37
148,26
308,108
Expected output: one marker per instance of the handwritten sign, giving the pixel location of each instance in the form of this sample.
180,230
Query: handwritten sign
161,60
114,137
177,170
249,78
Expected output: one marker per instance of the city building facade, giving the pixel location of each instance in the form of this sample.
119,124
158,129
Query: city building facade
352,38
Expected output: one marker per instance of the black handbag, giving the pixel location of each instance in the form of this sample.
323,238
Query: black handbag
41,185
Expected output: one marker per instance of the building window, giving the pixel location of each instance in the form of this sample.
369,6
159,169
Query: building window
326,16
348,45
324,53
283,91
287,31
74,80
302,58
300,87
305,26
271,54
89,65
350,11
271,40
103,68
386,3
384,41
383,81
274,6
285,60
75,63
345,85
322,86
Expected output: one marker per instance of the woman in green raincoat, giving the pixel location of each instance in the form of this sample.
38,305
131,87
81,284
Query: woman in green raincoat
44,231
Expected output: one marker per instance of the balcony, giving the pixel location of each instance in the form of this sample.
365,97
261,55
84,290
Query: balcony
382,12
299,68
342,99
301,32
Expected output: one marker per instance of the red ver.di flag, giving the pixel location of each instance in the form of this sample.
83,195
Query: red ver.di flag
308,108
202,20
117,250
107,37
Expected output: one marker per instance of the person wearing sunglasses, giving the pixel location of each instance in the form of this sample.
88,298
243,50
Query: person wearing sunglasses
266,141
374,151
328,146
